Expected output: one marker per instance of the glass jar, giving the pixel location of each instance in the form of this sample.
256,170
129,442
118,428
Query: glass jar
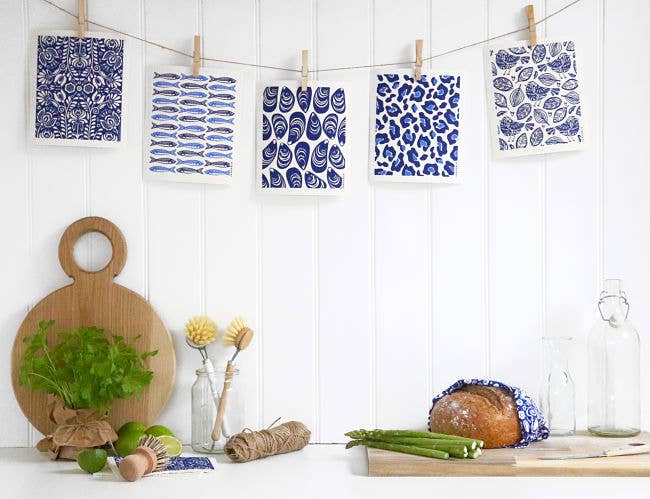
557,399
204,411
614,378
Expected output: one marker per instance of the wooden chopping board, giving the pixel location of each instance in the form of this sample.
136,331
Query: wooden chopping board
93,299
521,462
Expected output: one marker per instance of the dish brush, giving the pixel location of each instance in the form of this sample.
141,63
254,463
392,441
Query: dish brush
200,331
240,336
149,456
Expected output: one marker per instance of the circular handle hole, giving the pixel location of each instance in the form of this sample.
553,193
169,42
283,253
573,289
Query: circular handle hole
93,251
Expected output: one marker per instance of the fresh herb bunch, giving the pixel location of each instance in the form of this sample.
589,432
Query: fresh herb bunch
86,370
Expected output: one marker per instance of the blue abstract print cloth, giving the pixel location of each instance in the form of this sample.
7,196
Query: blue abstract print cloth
536,98
416,127
303,138
533,425
79,89
192,127
183,463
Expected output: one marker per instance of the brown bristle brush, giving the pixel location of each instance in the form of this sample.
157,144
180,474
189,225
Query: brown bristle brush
149,456
240,336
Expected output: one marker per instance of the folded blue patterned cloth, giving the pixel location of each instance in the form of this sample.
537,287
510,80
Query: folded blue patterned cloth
177,465
533,425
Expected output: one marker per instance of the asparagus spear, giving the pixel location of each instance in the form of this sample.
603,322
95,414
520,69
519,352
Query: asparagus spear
455,449
380,434
404,449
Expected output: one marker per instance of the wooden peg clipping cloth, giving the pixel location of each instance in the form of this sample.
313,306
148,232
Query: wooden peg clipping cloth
532,29
250,445
81,18
418,59
304,74
196,56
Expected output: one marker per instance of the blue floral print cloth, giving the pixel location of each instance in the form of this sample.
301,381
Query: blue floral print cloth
533,425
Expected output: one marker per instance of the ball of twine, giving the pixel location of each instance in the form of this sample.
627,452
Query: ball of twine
250,445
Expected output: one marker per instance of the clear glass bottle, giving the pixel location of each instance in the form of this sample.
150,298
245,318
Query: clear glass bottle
614,377
204,412
557,399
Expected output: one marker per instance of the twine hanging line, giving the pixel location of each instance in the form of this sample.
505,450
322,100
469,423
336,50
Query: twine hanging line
323,70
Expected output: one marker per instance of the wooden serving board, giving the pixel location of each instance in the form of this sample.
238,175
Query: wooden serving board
521,462
93,299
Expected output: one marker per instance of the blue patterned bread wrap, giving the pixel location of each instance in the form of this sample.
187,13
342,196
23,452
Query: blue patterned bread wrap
533,425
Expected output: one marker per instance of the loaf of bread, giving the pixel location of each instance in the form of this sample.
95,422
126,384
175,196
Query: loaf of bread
487,413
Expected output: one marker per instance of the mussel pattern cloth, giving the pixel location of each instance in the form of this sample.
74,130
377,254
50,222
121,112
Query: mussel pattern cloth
303,137
79,88
417,126
533,425
536,97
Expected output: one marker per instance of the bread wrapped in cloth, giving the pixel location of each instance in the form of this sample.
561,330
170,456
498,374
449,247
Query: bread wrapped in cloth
498,414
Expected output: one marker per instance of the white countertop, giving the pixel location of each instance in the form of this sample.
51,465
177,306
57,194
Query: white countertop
318,471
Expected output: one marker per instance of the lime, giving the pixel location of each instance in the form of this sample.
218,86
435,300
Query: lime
131,427
174,445
127,442
92,460
158,430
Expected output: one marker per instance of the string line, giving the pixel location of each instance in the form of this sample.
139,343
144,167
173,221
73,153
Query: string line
322,70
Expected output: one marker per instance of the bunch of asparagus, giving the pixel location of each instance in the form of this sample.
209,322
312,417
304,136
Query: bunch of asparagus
419,443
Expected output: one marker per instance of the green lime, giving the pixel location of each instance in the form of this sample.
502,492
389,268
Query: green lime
174,445
158,430
131,427
92,460
127,442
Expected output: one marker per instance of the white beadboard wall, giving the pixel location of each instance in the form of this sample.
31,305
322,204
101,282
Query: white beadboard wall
367,305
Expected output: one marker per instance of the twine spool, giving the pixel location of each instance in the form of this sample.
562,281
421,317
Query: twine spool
250,445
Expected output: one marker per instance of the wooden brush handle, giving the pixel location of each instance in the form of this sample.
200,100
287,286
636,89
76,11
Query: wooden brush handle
223,401
136,465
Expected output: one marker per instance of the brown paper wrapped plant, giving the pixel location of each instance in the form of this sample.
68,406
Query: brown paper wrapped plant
84,374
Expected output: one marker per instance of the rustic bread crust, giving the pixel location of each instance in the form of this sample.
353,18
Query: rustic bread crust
485,412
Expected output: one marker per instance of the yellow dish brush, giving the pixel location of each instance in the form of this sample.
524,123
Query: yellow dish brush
240,336
200,331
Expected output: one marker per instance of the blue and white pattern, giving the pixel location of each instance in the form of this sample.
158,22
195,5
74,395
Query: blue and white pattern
416,135
177,465
533,425
78,94
303,135
184,463
192,129
535,98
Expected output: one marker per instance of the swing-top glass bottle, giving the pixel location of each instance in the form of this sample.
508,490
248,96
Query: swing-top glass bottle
614,377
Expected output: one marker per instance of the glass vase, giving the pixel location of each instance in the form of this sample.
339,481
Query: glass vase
204,411
614,376
557,395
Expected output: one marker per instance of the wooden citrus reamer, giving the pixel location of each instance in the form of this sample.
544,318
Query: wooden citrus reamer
240,339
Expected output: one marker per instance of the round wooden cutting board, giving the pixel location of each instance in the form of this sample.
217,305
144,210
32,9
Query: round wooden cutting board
93,299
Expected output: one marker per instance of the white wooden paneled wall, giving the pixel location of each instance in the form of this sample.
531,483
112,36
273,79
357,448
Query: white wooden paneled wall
367,305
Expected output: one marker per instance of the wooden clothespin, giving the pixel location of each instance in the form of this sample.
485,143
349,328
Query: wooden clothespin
418,59
196,57
532,29
81,18
305,70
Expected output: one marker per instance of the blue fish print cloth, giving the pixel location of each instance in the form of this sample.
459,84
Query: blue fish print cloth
417,127
79,89
536,98
192,127
533,425
303,138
